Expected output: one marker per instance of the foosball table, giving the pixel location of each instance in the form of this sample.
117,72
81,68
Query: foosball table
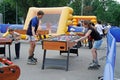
63,43
8,70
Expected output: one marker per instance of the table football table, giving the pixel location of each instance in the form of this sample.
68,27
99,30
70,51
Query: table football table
61,43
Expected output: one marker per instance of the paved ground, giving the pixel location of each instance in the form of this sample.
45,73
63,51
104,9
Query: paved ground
77,66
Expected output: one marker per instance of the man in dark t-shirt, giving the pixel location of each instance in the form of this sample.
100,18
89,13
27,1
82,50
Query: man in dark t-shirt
34,24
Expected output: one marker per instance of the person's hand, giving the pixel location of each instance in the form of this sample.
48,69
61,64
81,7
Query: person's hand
36,38
18,38
76,40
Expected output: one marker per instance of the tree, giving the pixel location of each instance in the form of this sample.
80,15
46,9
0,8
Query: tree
8,12
24,5
76,5
105,10
114,11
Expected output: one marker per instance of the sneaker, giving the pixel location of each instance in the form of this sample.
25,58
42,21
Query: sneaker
95,63
31,61
93,66
35,59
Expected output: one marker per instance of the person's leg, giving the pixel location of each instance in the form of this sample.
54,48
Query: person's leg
17,50
94,64
32,48
94,55
96,45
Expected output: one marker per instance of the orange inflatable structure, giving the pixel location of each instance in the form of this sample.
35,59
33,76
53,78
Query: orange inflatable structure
77,19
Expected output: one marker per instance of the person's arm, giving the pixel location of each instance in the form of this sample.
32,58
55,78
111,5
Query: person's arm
33,31
17,36
39,26
5,34
84,37
34,34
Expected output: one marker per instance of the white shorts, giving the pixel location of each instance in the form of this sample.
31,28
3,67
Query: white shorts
30,38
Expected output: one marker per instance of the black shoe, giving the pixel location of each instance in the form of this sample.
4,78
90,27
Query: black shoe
35,59
31,61
16,58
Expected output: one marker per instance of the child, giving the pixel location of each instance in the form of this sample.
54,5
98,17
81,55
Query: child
96,45
15,37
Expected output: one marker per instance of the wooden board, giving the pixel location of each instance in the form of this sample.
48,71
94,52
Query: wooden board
42,32
5,41
54,45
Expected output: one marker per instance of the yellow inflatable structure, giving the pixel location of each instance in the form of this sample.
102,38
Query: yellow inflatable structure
76,19
57,17
22,35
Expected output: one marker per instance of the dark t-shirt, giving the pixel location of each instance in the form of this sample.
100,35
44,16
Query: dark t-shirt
94,34
33,23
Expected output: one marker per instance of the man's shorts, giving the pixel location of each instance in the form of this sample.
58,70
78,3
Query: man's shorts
97,44
30,38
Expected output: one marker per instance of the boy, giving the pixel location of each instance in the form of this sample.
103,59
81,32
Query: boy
15,37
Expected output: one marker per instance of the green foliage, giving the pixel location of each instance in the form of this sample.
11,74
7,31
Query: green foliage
8,12
105,10
53,3
76,5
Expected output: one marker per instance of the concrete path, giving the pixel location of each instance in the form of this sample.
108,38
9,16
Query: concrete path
77,66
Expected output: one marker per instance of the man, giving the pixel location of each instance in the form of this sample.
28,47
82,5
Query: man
34,24
99,28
